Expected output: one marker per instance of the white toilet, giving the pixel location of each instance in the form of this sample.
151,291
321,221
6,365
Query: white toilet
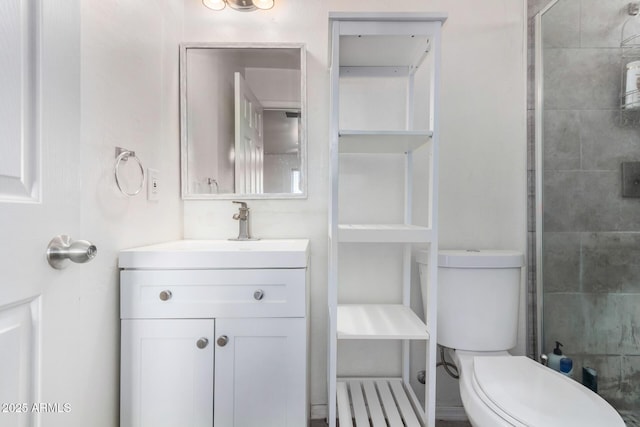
478,299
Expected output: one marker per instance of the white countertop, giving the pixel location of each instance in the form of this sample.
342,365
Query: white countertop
218,254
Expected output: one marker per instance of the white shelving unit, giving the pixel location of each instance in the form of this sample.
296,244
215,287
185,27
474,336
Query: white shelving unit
381,46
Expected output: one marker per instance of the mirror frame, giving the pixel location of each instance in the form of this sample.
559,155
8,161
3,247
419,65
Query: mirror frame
184,171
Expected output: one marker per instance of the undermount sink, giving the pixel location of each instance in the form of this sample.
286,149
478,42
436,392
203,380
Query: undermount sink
218,254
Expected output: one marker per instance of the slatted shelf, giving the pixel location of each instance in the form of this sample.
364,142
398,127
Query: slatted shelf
383,233
375,403
379,321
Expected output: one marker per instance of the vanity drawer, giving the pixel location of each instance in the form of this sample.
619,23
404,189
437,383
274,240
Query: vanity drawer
212,293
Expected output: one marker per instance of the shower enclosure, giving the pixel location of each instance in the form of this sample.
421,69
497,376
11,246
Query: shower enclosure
586,233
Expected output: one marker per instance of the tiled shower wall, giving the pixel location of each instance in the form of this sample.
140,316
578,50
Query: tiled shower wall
591,234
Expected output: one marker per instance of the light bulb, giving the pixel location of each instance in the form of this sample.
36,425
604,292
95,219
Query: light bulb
263,4
215,4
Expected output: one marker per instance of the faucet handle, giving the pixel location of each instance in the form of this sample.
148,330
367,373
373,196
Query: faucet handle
243,205
243,212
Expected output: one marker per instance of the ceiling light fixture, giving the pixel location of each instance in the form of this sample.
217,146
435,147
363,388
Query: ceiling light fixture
241,5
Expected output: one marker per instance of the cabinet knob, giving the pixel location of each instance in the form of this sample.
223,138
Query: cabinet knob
202,343
223,340
258,295
165,295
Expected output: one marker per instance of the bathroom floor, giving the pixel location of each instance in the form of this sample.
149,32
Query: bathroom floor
631,419
321,423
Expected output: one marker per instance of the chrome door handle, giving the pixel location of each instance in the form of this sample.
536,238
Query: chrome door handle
202,343
165,295
223,340
258,295
63,249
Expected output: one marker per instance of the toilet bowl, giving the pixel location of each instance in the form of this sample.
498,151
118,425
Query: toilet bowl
478,300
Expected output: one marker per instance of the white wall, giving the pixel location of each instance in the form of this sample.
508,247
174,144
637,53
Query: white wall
129,96
483,132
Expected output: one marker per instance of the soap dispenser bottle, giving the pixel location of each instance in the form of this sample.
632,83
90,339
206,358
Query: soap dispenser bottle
555,356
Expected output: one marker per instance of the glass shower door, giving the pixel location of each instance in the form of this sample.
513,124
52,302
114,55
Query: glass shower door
587,233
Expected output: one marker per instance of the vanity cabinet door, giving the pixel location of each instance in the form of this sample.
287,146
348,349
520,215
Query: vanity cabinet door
261,373
167,373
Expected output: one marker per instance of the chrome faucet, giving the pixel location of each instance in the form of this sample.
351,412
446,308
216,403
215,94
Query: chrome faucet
242,217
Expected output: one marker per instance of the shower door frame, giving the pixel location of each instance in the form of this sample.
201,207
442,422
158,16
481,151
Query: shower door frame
539,169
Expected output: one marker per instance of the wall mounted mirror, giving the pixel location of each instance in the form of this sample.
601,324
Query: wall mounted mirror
243,120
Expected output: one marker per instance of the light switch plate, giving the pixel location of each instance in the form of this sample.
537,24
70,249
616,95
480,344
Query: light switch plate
630,179
153,185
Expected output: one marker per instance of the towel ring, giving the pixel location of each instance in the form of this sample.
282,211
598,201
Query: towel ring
124,155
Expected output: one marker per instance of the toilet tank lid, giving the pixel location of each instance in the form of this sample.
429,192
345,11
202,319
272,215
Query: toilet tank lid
480,259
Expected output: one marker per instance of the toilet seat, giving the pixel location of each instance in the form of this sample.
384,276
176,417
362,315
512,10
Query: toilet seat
526,394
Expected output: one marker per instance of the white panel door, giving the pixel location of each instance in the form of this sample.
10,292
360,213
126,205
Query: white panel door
39,198
249,143
260,371
167,373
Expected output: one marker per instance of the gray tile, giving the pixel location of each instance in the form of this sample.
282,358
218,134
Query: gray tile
605,144
601,22
532,316
592,323
531,252
531,183
629,317
630,384
588,201
629,217
581,78
608,323
608,369
611,262
531,83
582,201
563,321
531,33
531,284
562,139
561,262
561,25
531,140
531,214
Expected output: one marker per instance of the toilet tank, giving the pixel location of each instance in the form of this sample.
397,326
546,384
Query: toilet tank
478,299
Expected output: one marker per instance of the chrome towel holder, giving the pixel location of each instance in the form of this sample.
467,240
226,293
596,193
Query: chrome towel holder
123,155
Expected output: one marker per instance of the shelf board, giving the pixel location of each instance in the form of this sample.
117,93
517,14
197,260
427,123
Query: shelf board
379,321
403,50
375,402
365,141
383,233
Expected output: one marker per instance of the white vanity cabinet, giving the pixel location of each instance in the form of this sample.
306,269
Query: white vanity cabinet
208,346
166,379
260,373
